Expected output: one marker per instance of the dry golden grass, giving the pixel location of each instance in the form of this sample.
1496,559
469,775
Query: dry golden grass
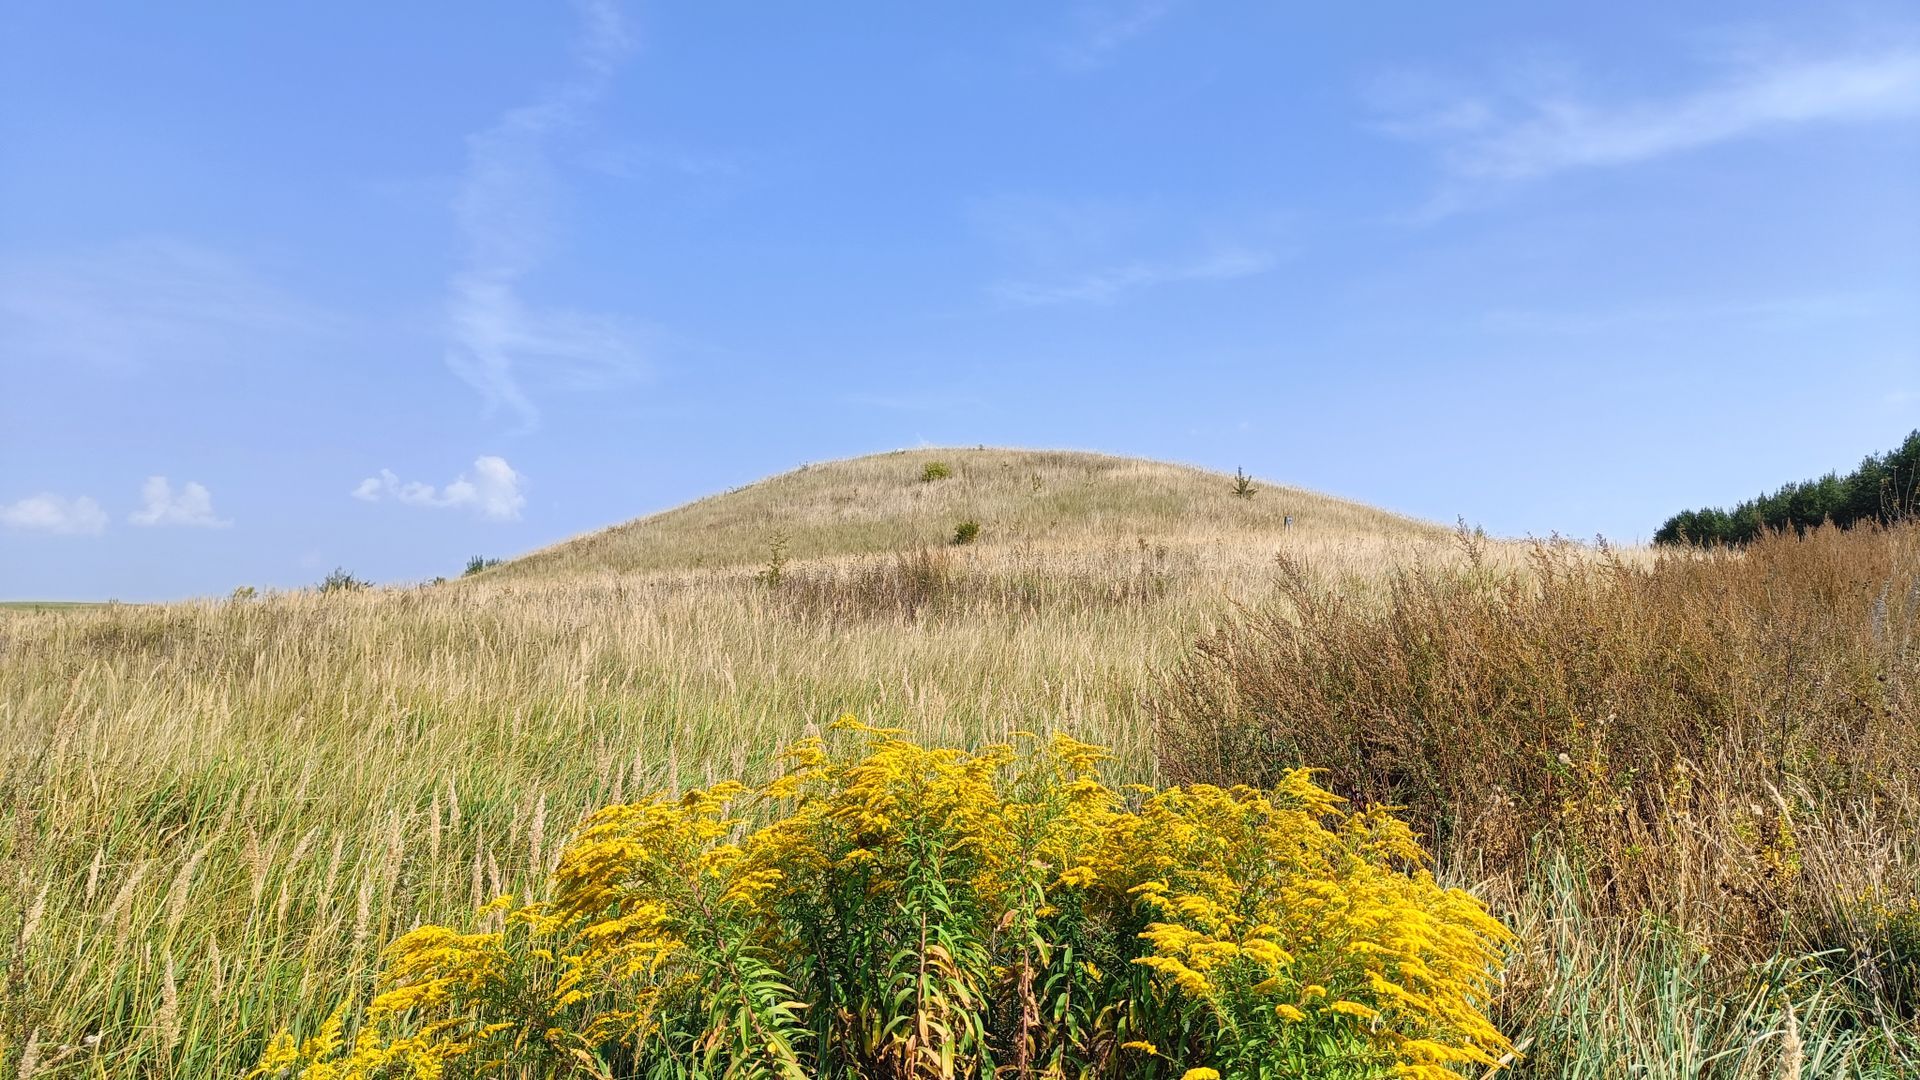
213,815
209,812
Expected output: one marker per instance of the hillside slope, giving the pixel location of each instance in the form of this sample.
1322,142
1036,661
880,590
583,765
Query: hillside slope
879,503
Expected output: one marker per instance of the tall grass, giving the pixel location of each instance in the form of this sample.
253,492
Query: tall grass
1721,744
1593,998
213,815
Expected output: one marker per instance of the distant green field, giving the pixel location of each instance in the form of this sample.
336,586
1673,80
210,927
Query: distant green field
33,606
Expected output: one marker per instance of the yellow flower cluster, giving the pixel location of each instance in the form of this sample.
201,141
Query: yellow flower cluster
908,911
1277,904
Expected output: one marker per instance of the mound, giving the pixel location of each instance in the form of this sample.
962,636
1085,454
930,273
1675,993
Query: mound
894,502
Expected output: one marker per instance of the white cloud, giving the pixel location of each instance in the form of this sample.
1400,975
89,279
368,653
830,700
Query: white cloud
142,303
1108,285
55,514
493,490
192,505
1540,130
503,208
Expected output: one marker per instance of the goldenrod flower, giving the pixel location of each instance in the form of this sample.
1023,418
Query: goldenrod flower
905,901
1354,1008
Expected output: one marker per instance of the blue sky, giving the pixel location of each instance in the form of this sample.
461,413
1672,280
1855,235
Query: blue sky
381,286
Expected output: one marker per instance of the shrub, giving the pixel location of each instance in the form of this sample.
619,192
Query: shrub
922,912
1684,727
935,470
478,563
901,585
929,582
775,571
966,532
1242,484
341,581
242,593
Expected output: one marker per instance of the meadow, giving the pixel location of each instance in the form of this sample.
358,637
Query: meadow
217,814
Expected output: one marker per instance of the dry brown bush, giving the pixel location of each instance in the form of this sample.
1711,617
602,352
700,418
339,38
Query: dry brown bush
1725,740
928,582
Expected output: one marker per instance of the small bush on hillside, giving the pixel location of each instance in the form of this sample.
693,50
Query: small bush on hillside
340,581
910,912
775,570
935,470
478,563
242,593
966,532
1242,484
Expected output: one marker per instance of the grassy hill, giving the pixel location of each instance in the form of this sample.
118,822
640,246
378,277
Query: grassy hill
1036,498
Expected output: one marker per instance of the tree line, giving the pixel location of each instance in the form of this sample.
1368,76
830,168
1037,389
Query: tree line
1883,488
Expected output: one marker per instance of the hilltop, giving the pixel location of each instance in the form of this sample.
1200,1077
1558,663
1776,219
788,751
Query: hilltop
1035,498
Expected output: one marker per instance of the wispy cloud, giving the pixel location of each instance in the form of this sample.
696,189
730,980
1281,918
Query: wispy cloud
58,514
1094,252
636,161
1105,28
191,506
1538,131
1107,285
503,208
144,303
493,490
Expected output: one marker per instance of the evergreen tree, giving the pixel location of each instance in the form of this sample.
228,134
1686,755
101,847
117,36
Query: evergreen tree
1884,487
